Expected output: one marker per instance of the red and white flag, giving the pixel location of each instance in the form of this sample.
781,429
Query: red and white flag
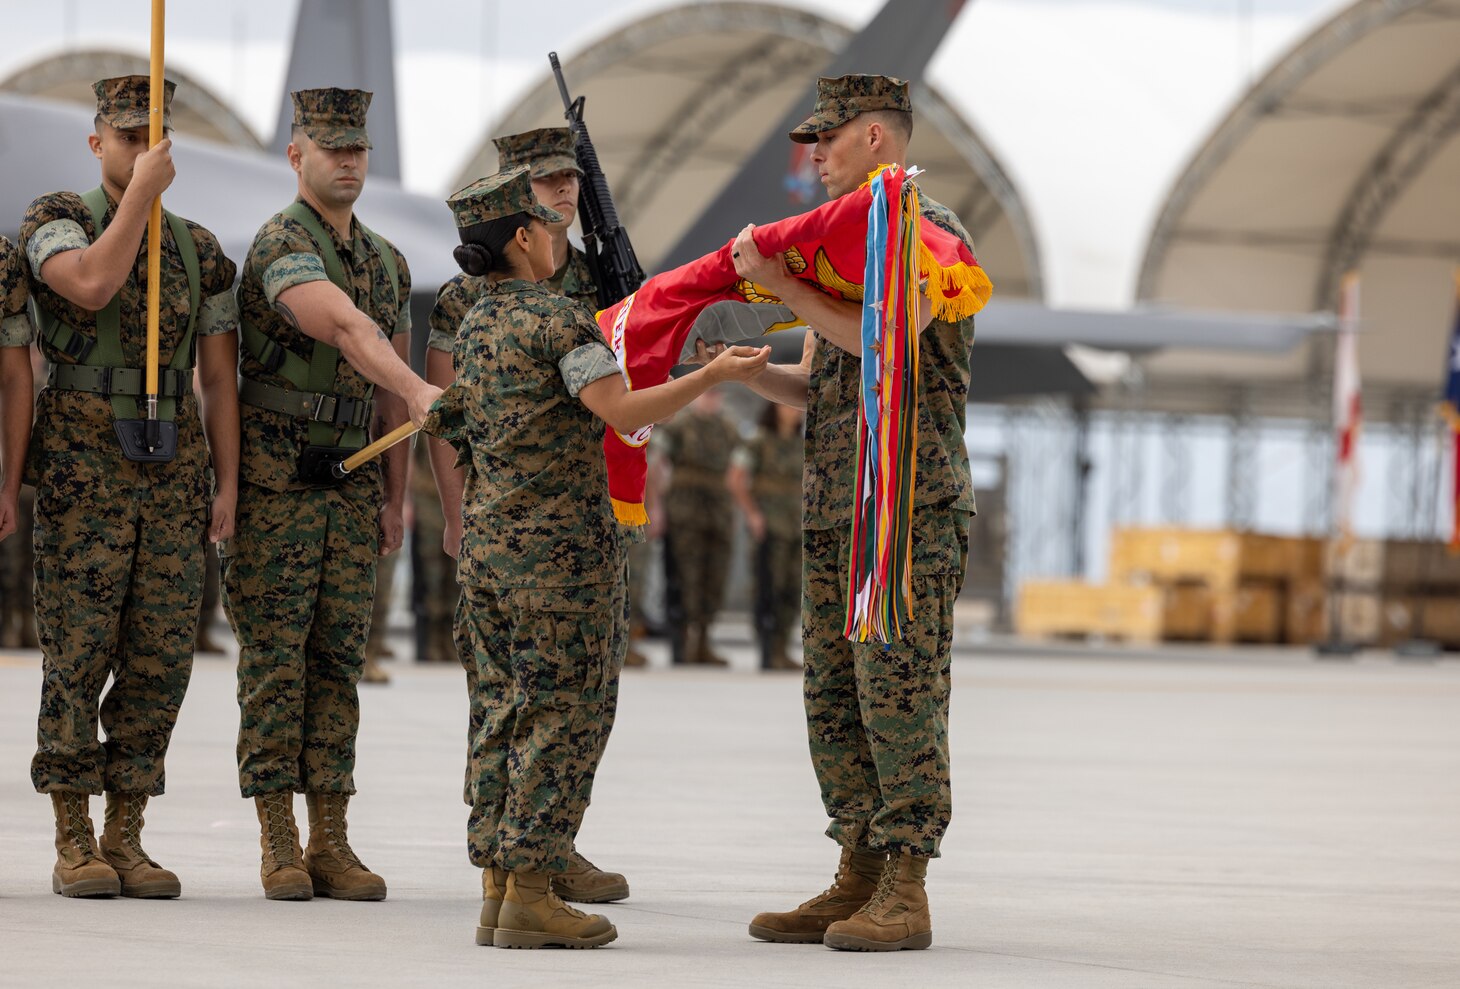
1347,407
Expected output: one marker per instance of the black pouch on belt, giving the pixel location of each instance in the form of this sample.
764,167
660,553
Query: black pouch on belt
317,465
149,441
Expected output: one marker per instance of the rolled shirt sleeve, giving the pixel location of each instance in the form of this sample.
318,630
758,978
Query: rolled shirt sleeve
56,237
16,331
294,269
441,340
219,315
584,365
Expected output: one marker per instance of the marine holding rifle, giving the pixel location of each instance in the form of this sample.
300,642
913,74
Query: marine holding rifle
541,564
119,541
325,317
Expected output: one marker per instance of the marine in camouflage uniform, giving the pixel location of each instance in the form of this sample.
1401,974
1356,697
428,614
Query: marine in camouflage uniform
541,559
697,444
877,715
765,477
548,156
299,576
119,543
17,603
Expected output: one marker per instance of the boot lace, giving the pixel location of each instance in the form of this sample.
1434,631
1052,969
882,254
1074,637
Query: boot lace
886,883
78,823
276,825
578,863
841,873
132,827
336,838
558,903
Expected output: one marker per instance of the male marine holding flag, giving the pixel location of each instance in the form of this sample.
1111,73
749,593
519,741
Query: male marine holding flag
877,715
119,542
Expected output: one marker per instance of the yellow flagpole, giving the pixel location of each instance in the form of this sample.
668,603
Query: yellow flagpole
154,223
369,453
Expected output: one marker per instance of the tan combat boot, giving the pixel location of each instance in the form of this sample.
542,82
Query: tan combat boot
895,918
856,880
281,871
494,887
80,870
700,651
533,916
330,861
121,846
584,882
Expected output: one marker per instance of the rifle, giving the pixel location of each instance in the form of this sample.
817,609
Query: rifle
611,257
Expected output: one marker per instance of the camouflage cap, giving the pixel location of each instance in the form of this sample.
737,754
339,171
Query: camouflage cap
333,118
839,100
504,193
124,100
546,151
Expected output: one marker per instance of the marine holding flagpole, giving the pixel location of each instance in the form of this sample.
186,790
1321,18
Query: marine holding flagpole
124,491
325,319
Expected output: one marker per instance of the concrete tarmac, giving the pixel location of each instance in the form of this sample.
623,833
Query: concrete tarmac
1183,819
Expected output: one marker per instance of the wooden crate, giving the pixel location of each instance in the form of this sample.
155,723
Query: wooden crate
1259,612
1360,617
1254,611
1217,557
1439,620
1306,608
1310,559
1357,565
1428,568
1397,619
1186,612
1074,608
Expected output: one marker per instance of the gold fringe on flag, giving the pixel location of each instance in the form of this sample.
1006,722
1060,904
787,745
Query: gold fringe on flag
628,513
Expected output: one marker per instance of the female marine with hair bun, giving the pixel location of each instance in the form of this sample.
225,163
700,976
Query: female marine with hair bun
542,560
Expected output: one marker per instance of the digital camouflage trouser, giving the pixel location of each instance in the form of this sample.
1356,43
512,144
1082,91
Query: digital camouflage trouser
299,583
877,716
544,693
435,595
119,579
698,537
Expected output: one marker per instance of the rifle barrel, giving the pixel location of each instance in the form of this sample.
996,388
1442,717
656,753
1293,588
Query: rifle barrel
562,87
